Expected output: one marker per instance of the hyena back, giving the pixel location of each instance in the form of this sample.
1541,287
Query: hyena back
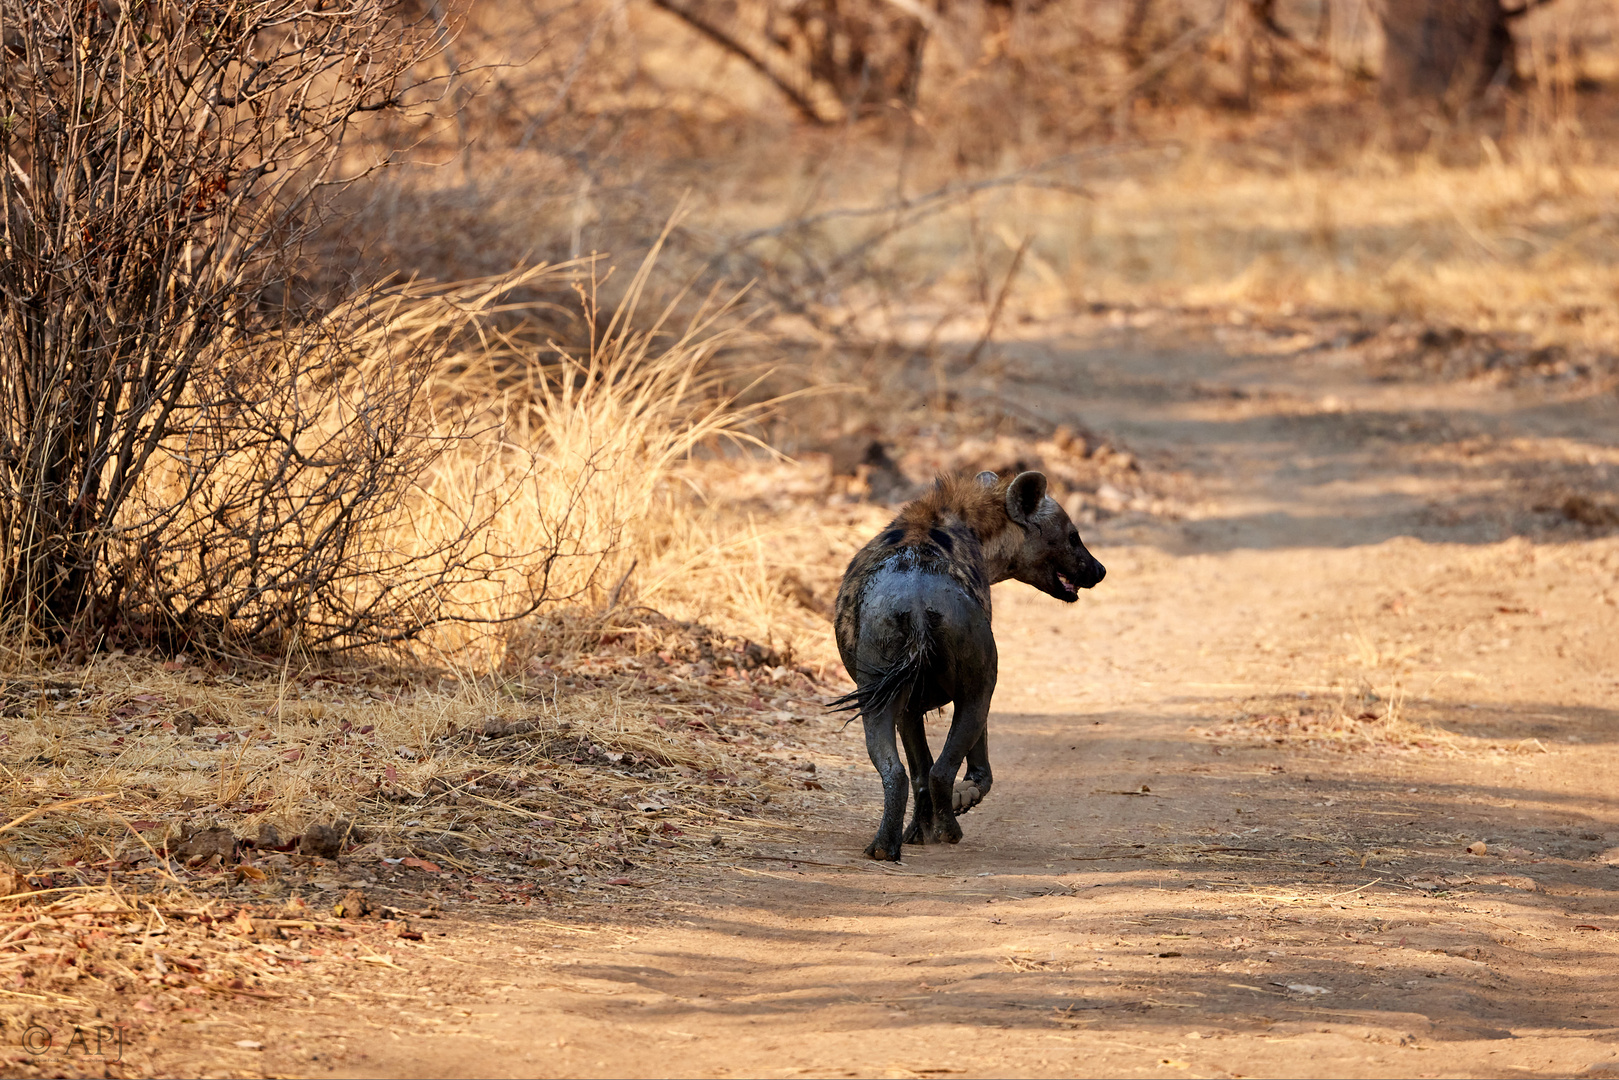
913,628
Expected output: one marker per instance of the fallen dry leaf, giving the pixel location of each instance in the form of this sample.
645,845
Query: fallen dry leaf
354,905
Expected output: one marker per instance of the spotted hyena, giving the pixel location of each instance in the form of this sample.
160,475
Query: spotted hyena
913,628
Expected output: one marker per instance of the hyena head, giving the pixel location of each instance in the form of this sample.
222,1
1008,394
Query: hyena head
1052,557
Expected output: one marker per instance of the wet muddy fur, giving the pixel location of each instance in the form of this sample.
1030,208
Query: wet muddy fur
913,628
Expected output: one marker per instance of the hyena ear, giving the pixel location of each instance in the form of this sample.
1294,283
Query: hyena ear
1024,496
987,478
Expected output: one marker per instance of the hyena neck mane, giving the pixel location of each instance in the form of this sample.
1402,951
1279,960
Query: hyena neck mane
955,503
962,523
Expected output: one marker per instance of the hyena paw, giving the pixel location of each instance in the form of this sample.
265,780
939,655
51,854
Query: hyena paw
965,796
945,831
883,851
914,834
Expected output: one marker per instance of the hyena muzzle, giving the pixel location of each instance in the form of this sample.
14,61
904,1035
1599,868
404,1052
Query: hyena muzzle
913,628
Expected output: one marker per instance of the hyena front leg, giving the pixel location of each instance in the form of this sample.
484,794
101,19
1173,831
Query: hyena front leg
885,756
969,792
920,758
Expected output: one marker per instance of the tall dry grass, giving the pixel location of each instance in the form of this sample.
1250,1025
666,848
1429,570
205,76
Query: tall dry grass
1514,242
267,519
584,471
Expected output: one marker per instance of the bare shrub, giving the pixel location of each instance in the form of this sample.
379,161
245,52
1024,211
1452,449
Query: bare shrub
400,469
163,163
298,506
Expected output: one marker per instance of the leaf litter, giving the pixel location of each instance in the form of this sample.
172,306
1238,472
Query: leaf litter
178,831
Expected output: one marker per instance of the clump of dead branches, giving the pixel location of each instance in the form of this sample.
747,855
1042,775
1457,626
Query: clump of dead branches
164,163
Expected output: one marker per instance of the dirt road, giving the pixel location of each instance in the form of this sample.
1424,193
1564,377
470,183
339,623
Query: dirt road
1236,787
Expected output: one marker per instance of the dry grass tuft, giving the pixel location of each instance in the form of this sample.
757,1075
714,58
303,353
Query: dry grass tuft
581,475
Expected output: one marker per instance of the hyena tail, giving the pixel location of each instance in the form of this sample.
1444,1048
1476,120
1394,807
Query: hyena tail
877,690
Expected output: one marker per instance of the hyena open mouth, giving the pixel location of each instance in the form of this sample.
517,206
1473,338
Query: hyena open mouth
1068,587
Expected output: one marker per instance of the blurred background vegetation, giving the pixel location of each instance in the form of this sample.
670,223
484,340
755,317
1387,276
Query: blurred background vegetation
1443,162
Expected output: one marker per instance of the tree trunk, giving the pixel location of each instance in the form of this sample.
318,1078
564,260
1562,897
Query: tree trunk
1243,23
868,53
1444,52
830,58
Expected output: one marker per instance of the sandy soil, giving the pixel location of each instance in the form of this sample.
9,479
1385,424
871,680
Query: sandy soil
1236,788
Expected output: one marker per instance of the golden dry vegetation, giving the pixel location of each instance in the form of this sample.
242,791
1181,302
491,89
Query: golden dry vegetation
687,352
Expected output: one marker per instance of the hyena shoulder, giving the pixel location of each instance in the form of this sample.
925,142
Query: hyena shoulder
948,531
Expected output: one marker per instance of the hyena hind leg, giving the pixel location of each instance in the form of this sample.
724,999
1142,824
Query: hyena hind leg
885,846
920,758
